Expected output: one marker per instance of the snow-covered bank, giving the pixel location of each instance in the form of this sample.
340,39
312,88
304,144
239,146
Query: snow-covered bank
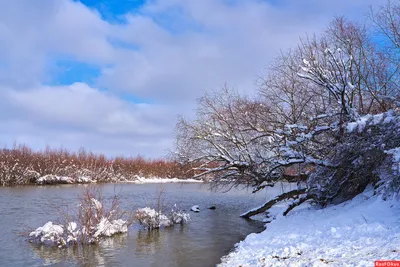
142,180
354,233
55,179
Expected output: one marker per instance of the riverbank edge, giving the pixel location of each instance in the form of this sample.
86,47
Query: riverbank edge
49,180
354,233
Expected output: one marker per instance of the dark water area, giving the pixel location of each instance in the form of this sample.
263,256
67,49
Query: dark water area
209,235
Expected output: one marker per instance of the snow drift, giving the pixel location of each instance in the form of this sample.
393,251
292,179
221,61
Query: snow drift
354,233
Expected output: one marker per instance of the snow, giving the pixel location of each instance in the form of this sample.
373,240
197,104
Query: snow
84,180
54,179
395,152
251,210
142,180
180,217
152,219
359,124
195,208
97,204
73,232
48,234
54,234
355,233
382,118
107,228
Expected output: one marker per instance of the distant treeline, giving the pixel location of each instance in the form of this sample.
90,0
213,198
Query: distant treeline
21,165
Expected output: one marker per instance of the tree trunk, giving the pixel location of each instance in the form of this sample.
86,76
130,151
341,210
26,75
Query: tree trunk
269,204
296,204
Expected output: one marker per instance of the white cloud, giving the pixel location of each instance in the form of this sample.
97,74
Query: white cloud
81,106
33,32
76,115
217,43
169,53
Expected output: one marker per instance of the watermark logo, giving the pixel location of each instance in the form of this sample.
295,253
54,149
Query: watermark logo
388,263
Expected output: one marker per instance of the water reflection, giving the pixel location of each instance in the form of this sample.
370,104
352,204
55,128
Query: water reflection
202,242
85,255
148,242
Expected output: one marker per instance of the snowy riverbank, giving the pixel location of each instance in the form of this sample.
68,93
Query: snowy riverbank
354,233
55,179
142,180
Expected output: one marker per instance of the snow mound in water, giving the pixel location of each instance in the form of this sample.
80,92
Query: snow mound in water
151,219
195,208
48,234
54,235
355,233
107,228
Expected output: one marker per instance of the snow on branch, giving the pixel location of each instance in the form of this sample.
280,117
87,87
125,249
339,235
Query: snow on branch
332,71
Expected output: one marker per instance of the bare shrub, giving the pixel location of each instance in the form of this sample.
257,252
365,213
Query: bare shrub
20,165
93,220
158,215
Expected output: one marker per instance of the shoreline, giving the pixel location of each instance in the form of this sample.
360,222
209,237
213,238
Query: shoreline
49,180
356,233
162,181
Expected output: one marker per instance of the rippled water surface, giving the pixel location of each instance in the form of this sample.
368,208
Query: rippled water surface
210,234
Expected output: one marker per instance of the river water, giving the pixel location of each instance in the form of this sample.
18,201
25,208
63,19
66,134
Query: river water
209,235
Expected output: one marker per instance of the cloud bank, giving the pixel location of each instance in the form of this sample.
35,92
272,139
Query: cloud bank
72,75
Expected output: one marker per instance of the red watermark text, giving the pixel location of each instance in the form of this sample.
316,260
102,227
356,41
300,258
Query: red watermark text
388,263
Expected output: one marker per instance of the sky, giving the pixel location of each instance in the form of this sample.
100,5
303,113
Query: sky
113,76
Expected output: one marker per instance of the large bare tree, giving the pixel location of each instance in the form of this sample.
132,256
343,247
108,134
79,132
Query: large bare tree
300,115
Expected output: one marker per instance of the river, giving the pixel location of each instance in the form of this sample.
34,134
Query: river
209,235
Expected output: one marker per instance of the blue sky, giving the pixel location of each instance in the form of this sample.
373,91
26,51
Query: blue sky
112,76
112,10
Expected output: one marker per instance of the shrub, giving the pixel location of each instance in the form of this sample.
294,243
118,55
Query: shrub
20,165
369,154
91,222
154,218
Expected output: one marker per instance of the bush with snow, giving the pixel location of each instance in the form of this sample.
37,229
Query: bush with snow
48,234
368,154
152,219
61,236
177,216
92,222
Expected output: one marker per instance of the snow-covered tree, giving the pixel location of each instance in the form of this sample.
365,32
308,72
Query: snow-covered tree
308,100
242,141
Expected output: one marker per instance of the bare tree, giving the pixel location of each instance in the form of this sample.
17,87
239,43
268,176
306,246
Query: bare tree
242,141
373,74
387,21
300,117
